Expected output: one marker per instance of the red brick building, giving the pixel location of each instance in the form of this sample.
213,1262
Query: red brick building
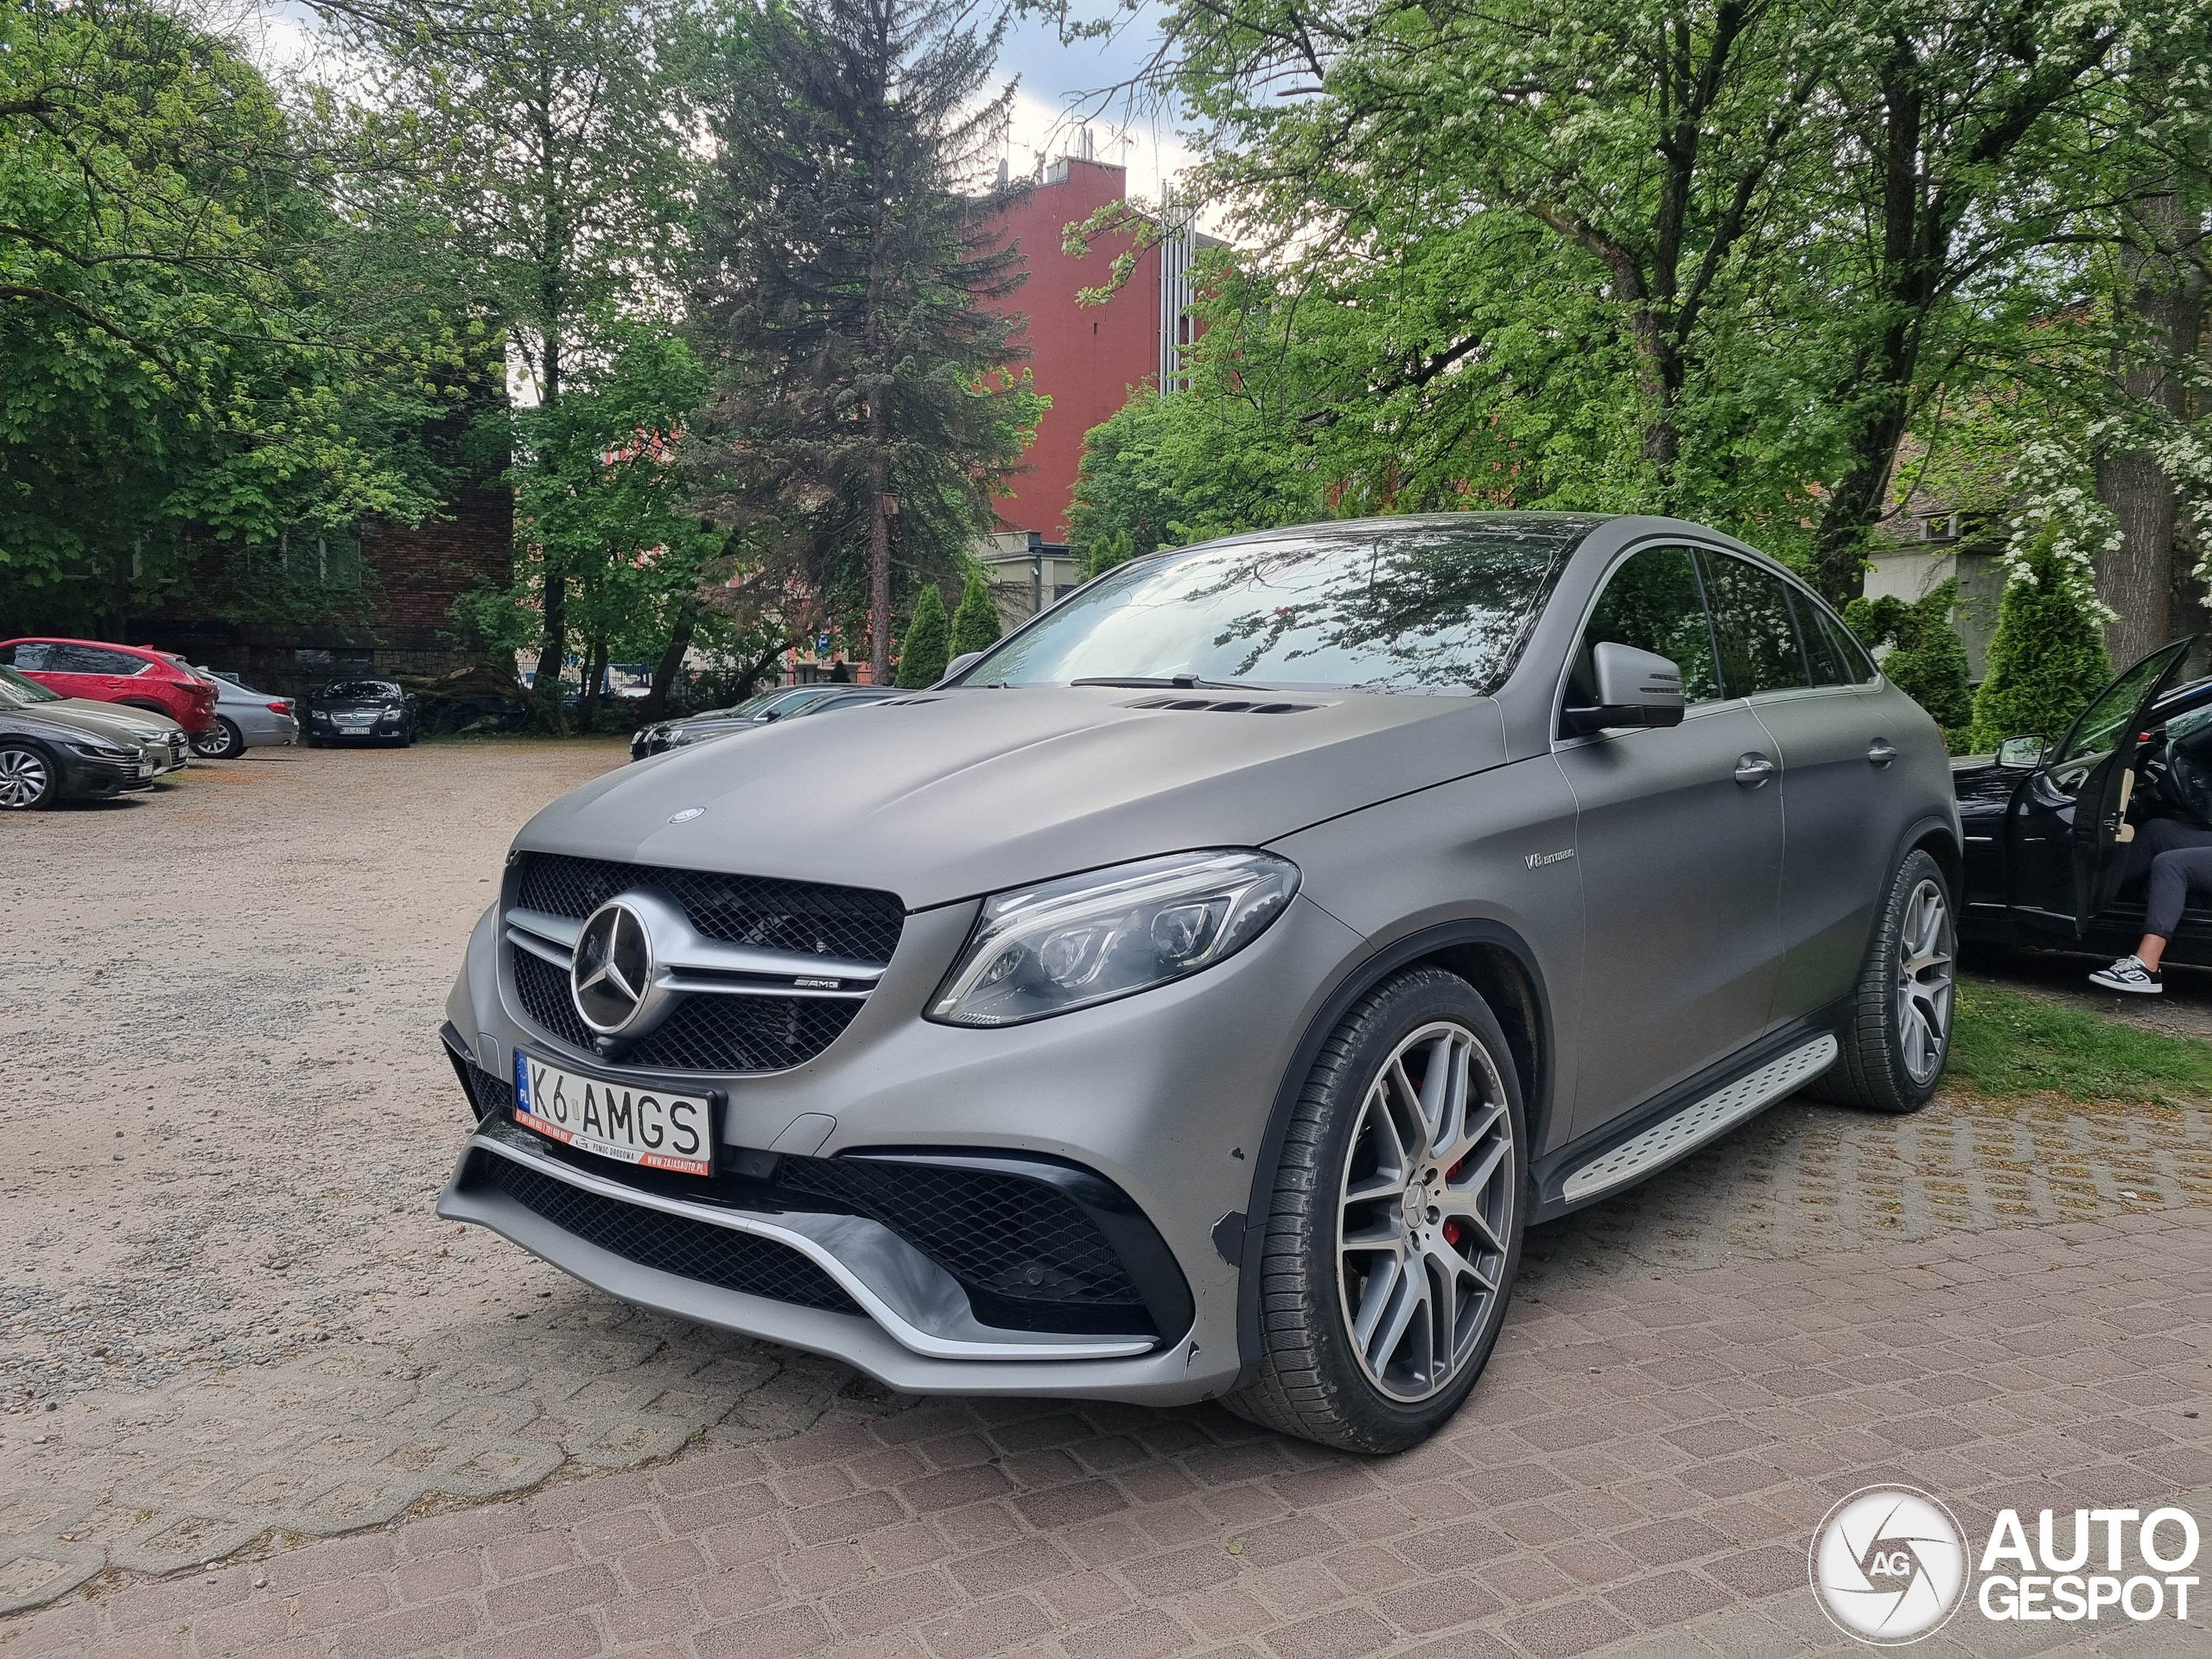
1087,358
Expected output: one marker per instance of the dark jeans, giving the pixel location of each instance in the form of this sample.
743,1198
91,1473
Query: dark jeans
2178,856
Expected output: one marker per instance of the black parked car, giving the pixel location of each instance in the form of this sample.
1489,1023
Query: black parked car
49,753
361,711
785,702
2046,824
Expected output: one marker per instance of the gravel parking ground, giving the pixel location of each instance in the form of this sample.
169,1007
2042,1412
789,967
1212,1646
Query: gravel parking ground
233,1323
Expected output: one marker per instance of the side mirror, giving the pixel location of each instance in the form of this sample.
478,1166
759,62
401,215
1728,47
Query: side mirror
2024,752
1635,688
960,664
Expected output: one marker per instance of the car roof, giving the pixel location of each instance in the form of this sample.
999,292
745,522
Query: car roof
64,640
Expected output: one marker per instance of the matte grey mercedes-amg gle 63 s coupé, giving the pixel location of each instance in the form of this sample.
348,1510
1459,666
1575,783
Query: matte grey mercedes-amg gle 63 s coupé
1198,994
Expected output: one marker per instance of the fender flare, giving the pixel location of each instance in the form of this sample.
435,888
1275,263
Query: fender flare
1361,976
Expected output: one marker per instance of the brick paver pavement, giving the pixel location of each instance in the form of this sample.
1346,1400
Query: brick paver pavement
1639,1471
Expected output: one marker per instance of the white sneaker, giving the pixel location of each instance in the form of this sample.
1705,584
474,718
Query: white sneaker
2128,973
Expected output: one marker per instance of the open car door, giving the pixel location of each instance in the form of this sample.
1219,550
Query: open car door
2087,780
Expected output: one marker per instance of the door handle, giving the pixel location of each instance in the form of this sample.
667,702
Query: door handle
1753,769
1881,752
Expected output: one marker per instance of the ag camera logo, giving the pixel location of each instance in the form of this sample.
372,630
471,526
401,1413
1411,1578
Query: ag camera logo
1889,1565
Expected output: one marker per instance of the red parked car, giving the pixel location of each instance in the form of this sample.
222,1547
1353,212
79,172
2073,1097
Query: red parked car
138,677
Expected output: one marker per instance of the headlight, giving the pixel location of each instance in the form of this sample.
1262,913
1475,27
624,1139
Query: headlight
100,750
677,737
1088,939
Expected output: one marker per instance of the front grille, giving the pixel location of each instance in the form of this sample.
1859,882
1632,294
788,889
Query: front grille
1007,1236
674,1244
704,1033
857,924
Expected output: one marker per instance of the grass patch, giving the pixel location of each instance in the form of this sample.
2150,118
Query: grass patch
2004,1044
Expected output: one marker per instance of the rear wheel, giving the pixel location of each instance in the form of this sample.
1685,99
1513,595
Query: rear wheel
1395,1229
1899,1032
221,741
27,777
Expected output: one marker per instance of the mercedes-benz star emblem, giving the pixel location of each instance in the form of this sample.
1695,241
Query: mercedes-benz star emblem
612,977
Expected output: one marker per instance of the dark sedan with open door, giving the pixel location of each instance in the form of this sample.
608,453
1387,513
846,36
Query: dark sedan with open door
2048,825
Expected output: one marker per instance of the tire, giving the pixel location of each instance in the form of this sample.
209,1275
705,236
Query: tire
221,741
1330,1369
29,778
1894,1046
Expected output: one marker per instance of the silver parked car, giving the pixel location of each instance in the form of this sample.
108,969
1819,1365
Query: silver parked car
245,719
1197,996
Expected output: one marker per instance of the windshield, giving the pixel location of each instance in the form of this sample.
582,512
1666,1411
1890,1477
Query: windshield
20,687
367,691
1428,605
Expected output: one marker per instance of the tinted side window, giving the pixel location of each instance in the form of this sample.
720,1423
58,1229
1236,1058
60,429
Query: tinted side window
81,659
1846,646
1750,616
1824,651
1653,603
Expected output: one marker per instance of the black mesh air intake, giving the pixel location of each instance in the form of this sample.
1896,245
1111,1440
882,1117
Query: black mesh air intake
490,1095
858,923
704,1033
674,1244
1008,1236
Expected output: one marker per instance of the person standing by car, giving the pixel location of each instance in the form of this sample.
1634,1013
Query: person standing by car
2179,857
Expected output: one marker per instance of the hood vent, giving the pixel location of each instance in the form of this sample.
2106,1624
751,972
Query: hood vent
1222,706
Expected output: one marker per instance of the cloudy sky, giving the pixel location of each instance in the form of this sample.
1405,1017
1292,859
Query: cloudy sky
1055,77
1053,80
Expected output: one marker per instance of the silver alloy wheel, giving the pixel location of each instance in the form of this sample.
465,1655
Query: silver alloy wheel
1426,1210
23,777
1924,978
213,743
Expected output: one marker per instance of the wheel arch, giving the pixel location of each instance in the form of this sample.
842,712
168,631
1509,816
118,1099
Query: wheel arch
1940,840
59,785
1489,955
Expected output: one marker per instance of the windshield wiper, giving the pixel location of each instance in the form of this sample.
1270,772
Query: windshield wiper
1175,682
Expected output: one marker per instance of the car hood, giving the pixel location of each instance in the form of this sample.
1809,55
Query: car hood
961,792
54,721
113,719
359,706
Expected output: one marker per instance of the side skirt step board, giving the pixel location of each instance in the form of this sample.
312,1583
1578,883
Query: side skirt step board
1701,1121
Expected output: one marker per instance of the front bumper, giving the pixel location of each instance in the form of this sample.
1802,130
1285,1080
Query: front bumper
1163,1097
83,777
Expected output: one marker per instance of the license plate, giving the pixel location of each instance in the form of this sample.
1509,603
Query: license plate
145,768
650,1127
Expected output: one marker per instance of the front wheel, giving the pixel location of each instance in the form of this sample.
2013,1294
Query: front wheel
27,778
221,741
1899,1032
1394,1229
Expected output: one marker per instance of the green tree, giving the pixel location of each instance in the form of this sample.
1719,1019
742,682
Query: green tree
192,354
2046,659
976,624
866,394
1927,660
537,153
927,648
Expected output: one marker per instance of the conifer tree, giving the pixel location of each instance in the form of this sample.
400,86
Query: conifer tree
1929,663
2046,660
975,624
854,254
923,652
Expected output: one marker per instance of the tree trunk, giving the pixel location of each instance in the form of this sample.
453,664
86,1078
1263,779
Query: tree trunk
554,644
879,551
1915,244
2166,301
594,677
671,660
